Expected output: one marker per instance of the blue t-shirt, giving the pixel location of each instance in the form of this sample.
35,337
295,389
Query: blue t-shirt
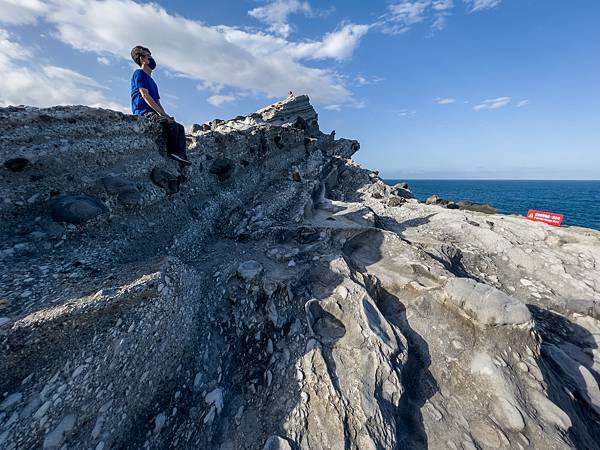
141,79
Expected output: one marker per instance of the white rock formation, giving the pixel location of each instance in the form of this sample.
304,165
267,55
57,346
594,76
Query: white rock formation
275,295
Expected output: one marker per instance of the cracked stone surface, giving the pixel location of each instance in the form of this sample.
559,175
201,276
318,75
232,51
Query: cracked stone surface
275,295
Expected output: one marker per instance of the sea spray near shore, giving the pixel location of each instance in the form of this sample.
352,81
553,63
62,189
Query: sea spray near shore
578,201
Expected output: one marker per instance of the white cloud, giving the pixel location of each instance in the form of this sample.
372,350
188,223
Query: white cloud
444,101
403,14
250,61
210,86
103,60
44,85
406,13
439,23
481,5
522,103
21,12
10,50
339,44
407,113
219,100
494,103
362,80
276,13
443,5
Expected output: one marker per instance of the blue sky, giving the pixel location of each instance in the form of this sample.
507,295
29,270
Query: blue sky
431,88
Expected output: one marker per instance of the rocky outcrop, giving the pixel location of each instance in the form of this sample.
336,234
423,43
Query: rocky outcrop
465,205
275,295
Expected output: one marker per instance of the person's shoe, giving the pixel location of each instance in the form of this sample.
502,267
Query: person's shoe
180,159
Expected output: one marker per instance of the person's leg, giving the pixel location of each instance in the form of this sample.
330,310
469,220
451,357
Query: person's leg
172,131
181,142
171,134
166,129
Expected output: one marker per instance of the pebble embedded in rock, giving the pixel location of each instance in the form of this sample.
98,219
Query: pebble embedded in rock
115,184
41,412
485,435
130,198
215,397
10,401
508,415
222,168
159,422
55,439
77,371
249,270
165,180
76,209
396,201
16,164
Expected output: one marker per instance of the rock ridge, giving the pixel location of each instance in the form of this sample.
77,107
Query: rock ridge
275,295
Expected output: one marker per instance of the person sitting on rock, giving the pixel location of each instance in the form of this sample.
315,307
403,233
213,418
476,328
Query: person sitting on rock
145,102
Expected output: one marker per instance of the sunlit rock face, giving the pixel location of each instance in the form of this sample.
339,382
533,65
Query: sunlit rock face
275,295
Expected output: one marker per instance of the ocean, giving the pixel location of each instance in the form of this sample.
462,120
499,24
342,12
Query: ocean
578,201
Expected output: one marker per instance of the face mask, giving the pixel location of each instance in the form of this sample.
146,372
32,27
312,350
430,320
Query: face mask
151,63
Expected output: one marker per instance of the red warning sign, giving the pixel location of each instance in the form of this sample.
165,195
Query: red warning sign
546,217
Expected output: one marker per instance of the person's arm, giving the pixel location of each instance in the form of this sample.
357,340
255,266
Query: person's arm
160,104
156,106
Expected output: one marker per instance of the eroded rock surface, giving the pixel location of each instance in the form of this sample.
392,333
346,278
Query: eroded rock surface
275,295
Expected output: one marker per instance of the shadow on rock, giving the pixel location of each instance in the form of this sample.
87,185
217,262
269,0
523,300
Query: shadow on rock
417,380
568,371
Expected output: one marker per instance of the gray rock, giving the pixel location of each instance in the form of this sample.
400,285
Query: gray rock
402,190
433,200
215,398
10,401
578,375
116,184
54,230
55,438
382,338
508,415
16,164
38,235
222,168
76,209
165,180
479,207
249,270
42,410
484,304
396,201
324,325
130,198
277,443
159,422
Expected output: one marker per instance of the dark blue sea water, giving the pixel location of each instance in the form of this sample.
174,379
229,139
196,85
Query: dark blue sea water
578,201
